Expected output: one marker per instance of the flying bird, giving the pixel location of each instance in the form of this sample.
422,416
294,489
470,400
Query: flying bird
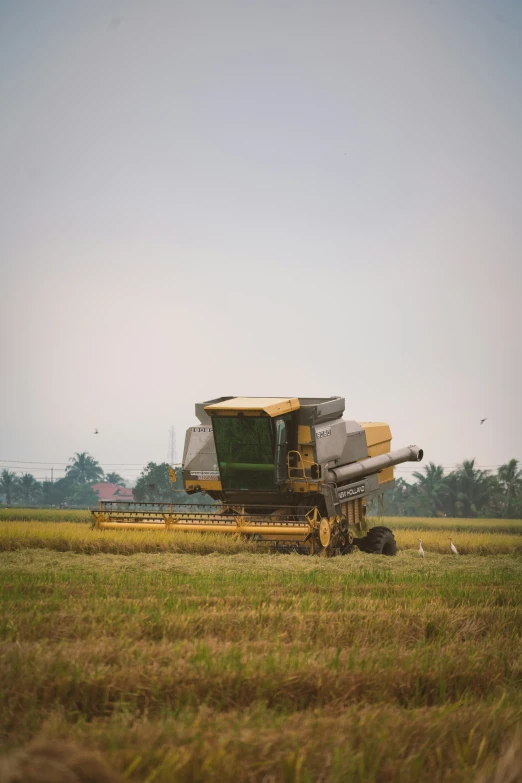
421,550
454,550
96,431
483,420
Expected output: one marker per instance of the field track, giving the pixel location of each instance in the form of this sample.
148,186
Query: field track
212,661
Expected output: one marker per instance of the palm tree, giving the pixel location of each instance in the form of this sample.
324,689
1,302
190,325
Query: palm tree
510,479
8,484
84,469
431,487
473,489
115,478
28,489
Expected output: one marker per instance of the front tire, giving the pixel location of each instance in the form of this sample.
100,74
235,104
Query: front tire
379,541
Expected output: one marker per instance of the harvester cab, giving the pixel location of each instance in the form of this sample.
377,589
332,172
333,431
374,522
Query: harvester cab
289,470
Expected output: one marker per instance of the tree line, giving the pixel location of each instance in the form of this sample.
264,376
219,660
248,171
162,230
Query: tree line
159,483
156,483
467,491
73,489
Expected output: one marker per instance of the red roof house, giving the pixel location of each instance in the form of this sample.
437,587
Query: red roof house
106,491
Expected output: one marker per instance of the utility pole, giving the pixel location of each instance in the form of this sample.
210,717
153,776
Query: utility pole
52,475
172,446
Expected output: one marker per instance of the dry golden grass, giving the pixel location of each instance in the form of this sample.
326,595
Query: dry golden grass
508,768
467,543
360,744
263,667
76,537
54,762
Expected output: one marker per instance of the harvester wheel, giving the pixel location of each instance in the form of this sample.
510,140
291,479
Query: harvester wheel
379,541
325,532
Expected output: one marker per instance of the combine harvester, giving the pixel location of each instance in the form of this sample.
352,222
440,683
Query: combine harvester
287,470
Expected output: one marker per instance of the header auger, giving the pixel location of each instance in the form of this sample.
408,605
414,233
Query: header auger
287,470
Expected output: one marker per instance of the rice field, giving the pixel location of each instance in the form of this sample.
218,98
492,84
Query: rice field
79,537
452,525
213,660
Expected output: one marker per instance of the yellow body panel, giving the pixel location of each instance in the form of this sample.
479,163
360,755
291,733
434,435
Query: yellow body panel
378,439
305,450
304,434
273,406
378,434
303,486
385,475
205,485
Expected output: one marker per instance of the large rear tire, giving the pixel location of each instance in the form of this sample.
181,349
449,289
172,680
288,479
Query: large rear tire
379,541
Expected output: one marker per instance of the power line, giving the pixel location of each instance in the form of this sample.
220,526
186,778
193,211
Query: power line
61,470
41,462
137,466
444,467
22,462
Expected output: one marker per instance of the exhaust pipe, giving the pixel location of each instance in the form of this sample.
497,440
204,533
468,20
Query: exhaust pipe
357,470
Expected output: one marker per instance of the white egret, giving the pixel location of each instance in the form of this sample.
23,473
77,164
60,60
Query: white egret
421,550
453,548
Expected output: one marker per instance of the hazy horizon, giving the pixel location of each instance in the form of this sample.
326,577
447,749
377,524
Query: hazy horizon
287,198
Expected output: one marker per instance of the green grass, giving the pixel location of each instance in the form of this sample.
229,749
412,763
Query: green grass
45,514
455,524
197,665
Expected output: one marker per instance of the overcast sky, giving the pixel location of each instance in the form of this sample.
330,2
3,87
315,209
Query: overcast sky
260,198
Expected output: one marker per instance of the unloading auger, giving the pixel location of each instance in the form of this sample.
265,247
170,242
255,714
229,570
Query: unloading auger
287,470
